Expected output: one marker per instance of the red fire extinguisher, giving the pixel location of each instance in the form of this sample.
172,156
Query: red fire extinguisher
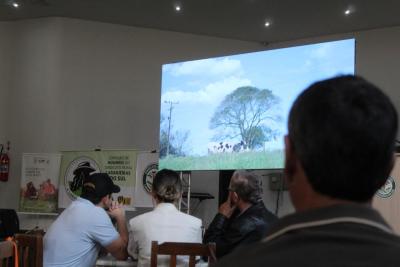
4,164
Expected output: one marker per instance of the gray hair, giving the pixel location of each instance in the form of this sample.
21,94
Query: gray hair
247,185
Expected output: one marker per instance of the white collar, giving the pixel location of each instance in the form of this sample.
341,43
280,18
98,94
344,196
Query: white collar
327,222
166,207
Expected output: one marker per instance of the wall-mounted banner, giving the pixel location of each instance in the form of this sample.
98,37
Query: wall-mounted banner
39,182
76,165
146,169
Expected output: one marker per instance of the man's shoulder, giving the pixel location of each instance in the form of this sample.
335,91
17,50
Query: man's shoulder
90,215
251,255
289,250
253,221
260,213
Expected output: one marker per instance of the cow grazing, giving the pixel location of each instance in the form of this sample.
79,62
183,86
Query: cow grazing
240,147
220,147
212,147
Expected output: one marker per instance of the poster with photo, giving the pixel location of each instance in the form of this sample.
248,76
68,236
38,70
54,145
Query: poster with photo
39,182
77,165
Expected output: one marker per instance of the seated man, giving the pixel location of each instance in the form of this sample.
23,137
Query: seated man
77,235
243,218
339,152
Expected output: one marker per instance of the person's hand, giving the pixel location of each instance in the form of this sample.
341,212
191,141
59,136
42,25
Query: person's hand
227,208
116,211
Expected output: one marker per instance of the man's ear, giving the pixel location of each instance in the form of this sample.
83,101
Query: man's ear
234,197
390,167
104,201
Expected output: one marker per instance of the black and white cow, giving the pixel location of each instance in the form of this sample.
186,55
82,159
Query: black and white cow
240,147
226,147
219,147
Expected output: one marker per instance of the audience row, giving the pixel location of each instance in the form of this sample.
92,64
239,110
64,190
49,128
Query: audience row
338,152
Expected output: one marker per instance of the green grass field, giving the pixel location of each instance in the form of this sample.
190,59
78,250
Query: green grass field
226,161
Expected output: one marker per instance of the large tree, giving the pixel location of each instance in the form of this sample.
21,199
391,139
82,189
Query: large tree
247,113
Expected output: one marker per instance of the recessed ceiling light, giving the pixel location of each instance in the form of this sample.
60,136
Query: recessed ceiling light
15,4
349,10
267,24
178,8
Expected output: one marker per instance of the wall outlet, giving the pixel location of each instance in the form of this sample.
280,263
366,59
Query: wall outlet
276,181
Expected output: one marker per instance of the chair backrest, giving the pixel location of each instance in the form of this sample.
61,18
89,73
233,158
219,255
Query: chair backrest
30,250
185,249
6,253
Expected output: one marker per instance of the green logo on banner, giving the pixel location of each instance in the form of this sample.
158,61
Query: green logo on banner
387,189
76,173
148,176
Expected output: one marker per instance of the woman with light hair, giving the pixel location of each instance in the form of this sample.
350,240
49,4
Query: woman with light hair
165,223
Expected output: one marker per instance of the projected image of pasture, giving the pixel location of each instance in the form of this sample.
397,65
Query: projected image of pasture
231,112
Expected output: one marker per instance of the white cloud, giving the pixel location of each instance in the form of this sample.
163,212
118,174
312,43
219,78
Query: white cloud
321,58
212,94
206,67
323,51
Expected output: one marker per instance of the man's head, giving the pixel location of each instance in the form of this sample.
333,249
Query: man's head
167,186
245,186
97,186
342,135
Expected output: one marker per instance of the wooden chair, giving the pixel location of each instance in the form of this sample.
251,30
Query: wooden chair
173,249
30,250
7,253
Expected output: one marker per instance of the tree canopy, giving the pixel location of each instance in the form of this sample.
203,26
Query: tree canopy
247,113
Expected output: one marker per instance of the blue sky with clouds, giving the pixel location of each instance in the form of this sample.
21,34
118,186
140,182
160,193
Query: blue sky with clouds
200,86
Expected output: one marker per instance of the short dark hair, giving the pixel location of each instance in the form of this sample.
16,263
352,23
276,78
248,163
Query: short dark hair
247,185
167,186
343,131
89,194
98,185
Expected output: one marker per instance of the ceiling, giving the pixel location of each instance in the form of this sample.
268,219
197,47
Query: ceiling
235,19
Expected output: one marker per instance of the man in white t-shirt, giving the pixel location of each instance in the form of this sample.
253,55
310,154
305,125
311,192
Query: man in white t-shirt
77,235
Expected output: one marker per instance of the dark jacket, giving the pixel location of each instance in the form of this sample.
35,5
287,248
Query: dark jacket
337,236
239,229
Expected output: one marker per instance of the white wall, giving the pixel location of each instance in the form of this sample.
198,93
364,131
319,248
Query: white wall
6,53
32,102
79,84
378,59
6,69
